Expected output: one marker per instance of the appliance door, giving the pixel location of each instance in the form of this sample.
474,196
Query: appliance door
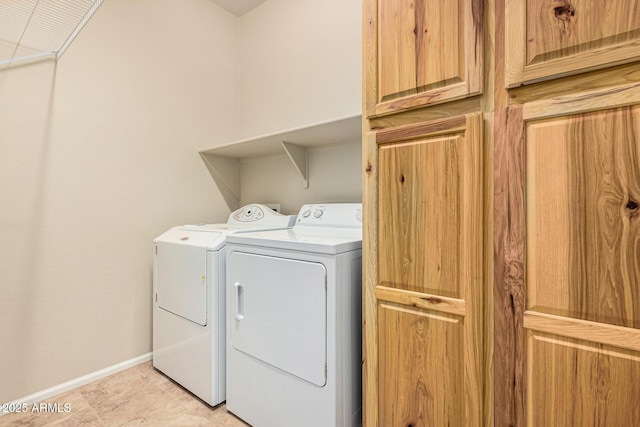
181,271
278,313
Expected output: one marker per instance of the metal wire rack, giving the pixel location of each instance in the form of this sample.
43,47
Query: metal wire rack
41,29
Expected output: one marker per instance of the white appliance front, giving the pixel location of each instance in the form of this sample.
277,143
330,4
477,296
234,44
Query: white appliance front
279,307
188,352
181,271
189,310
263,388
294,302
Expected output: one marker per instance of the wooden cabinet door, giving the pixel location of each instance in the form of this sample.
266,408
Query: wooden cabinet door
556,38
421,52
567,323
423,296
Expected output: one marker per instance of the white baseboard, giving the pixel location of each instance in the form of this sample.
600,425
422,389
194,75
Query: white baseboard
78,382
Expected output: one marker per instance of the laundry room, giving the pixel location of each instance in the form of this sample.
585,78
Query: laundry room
112,144
320,213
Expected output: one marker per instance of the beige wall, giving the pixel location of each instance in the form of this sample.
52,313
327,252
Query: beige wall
299,64
334,174
97,156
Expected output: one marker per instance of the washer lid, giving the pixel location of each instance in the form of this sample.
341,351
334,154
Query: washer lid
213,236
191,236
312,239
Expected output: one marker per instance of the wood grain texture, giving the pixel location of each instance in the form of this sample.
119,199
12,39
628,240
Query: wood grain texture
425,36
495,99
369,58
509,268
514,53
449,126
577,383
620,76
423,204
421,369
421,300
419,215
575,172
369,279
583,102
598,333
473,273
425,52
583,216
444,201
561,28
427,114
489,100
554,38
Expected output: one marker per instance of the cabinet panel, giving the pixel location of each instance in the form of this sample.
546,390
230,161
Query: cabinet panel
583,236
577,383
422,198
421,52
423,296
553,38
427,44
421,370
567,317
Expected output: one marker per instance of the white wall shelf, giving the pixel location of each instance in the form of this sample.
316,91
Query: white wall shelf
41,29
223,162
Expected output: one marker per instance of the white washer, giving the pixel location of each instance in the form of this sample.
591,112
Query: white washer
294,321
189,299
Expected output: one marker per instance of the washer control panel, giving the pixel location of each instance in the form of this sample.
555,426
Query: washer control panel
259,215
331,215
250,213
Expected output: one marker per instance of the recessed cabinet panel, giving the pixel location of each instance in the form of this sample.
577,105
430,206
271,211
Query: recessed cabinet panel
423,294
420,215
567,318
551,38
583,216
421,370
426,38
421,52
428,189
577,383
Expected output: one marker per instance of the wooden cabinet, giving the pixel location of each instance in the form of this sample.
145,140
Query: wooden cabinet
426,294
502,218
410,389
429,206
569,315
555,38
421,52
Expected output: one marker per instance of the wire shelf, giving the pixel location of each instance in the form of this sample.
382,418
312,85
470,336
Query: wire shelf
34,29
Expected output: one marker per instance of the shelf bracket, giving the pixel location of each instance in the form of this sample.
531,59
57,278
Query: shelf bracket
298,156
226,174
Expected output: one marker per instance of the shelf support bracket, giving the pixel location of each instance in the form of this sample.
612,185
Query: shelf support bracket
298,156
226,174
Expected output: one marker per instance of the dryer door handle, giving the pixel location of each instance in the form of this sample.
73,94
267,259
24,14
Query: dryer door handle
239,301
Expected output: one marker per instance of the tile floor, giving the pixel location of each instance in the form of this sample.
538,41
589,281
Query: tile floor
136,396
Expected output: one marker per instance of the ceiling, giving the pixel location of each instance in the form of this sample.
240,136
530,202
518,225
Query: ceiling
32,29
238,7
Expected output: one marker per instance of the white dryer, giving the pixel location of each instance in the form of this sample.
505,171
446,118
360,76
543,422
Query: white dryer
189,299
294,321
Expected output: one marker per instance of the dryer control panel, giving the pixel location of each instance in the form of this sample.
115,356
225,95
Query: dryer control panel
331,215
259,215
